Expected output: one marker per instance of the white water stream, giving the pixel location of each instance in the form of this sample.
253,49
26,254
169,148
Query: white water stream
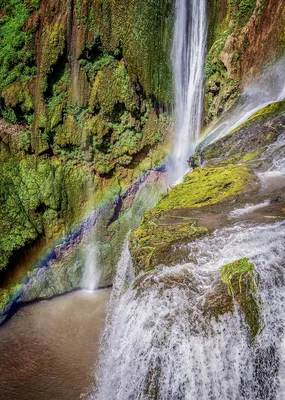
188,65
159,345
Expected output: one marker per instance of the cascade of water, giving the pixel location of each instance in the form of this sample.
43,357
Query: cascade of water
159,344
188,66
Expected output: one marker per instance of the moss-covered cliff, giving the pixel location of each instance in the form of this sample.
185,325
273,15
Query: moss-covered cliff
244,36
85,91
84,85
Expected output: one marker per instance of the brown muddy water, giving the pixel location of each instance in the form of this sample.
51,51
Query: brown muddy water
48,350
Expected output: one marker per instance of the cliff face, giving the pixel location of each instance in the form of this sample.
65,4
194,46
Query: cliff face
244,36
84,85
86,76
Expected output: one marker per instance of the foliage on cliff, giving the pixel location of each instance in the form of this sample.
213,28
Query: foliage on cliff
83,93
90,80
243,37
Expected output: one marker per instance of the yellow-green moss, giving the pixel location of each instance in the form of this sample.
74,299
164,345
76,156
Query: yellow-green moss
53,46
234,272
18,94
151,241
239,277
208,186
112,86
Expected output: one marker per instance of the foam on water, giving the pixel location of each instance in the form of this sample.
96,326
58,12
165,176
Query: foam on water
249,208
158,340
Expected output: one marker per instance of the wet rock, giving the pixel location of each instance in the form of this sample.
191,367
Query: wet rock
237,287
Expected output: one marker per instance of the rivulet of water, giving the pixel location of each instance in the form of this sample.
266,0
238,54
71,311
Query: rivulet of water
188,65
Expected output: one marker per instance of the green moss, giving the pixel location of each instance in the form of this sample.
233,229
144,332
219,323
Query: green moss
246,8
239,277
151,241
38,197
53,47
17,94
251,156
16,59
234,272
208,186
112,86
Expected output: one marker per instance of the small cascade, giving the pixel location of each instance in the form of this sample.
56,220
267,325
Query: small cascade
92,274
188,66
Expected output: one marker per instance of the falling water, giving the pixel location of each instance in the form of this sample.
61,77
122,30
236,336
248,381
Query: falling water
160,345
92,272
157,342
188,65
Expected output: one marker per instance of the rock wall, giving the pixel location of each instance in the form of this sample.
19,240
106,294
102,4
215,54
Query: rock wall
85,86
244,36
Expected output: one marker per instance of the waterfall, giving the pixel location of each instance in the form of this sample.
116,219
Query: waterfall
160,345
188,66
92,272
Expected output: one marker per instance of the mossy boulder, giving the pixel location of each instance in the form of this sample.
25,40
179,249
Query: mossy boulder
241,282
151,243
237,287
169,222
205,186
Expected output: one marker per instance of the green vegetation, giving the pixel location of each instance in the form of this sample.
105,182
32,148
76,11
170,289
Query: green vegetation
208,186
38,197
239,277
16,57
7,297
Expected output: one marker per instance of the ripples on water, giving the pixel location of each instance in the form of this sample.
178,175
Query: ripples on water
157,342
48,349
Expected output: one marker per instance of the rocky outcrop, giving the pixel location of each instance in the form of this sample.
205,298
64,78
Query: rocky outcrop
238,286
173,220
226,178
